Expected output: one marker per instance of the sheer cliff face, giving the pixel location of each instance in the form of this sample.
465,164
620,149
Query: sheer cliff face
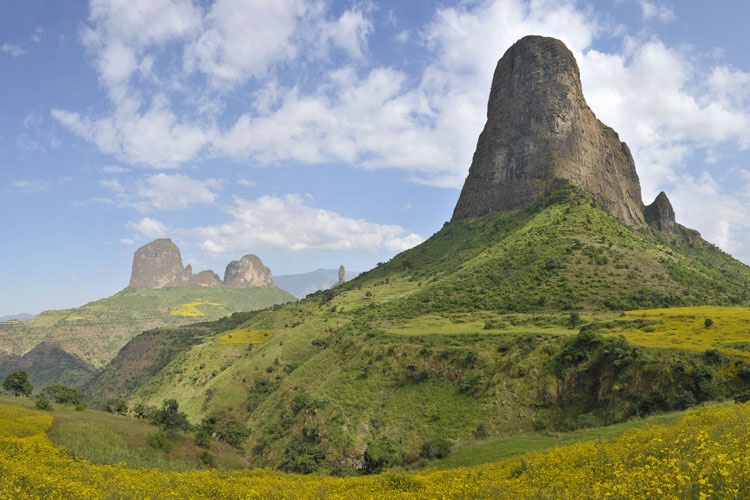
541,133
156,265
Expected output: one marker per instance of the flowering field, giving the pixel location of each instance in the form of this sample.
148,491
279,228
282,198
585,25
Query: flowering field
696,328
705,455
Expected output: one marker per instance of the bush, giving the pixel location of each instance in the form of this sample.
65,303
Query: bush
225,427
206,459
202,438
379,455
43,403
436,448
160,440
116,406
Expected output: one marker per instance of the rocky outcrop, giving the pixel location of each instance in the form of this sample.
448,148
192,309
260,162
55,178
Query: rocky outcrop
540,133
159,265
342,274
660,215
156,265
249,271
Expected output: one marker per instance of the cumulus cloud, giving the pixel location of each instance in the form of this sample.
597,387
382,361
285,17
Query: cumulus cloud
656,10
148,227
224,94
243,39
289,224
163,192
155,137
173,192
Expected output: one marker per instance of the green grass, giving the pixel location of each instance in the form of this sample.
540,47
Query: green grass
497,449
104,438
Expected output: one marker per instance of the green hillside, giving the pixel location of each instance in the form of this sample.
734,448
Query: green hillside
504,324
94,333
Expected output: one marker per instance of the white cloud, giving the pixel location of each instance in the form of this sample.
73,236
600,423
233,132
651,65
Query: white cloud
12,49
288,224
163,192
349,32
148,227
155,138
244,38
667,109
173,192
229,95
114,169
656,10
31,185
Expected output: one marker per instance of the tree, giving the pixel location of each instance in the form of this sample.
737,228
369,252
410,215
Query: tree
117,406
225,427
170,418
63,394
18,384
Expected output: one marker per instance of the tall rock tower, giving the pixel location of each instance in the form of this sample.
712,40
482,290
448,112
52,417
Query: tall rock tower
540,133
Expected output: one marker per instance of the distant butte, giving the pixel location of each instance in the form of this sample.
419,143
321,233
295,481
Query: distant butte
159,265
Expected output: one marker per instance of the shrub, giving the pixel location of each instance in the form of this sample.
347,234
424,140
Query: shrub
436,448
116,406
43,403
379,455
206,459
225,427
160,440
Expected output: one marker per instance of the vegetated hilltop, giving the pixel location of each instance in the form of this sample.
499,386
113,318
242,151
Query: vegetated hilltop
509,319
68,346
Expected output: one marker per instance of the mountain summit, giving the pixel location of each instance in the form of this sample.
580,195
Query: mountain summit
540,133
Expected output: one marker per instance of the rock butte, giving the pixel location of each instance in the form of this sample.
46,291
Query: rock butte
159,265
540,133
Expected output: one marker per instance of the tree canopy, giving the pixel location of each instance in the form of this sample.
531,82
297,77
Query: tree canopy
17,383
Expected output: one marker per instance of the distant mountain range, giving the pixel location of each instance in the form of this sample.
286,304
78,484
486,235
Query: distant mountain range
302,284
17,317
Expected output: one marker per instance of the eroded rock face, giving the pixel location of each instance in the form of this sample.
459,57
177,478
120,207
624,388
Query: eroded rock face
159,265
156,265
660,214
541,133
249,271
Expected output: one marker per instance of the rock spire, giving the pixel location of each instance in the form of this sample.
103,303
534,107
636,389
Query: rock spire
540,133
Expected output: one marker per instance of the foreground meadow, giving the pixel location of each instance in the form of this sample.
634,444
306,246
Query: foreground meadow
704,455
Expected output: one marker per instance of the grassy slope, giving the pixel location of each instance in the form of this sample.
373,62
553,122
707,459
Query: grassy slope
469,336
103,438
96,331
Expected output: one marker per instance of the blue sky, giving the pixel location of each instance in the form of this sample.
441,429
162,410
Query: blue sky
318,133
